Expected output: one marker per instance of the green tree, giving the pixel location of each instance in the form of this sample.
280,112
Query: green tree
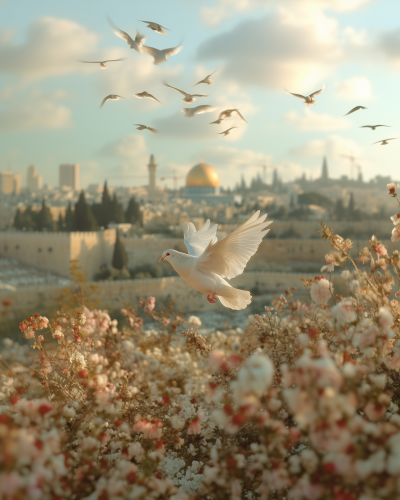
44,219
60,223
83,217
105,209
133,214
18,219
120,257
351,207
25,219
339,210
69,218
116,211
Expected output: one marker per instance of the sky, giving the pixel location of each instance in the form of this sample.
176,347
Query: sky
49,100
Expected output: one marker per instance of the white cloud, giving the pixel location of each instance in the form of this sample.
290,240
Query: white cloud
279,50
38,110
389,46
197,128
315,121
129,147
51,47
333,146
357,88
226,8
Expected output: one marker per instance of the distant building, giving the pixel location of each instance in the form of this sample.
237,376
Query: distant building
10,183
152,192
202,183
69,176
34,181
324,172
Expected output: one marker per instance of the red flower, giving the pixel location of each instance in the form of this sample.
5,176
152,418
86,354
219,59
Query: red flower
117,423
23,327
329,467
82,374
131,477
36,315
165,400
6,303
43,409
14,400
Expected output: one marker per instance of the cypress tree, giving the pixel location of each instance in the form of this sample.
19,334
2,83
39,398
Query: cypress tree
105,216
18,219
69,218
116,211
83,217
44,218
133,214
351,207
60,223
120,257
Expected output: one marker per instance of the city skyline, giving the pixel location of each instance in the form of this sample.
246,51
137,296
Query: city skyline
49,101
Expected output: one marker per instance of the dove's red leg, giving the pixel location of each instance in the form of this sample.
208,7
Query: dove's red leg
212,299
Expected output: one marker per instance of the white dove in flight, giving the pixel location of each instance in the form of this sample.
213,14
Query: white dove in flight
188,97
208,262
309,99
155,27
227,131
111,97
103,64
161,56
207,79
140,126
136,44
143,95
228,114
198,110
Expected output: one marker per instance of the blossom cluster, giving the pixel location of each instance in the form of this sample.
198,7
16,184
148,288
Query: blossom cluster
301,404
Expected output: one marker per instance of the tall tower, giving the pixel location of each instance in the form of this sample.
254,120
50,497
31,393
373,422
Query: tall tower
69,176
324,172
152,166
34,181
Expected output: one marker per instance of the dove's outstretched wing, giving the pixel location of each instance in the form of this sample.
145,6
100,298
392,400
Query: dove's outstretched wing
196,241
318,91
229,257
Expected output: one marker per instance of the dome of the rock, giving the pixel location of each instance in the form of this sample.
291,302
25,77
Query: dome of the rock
202,175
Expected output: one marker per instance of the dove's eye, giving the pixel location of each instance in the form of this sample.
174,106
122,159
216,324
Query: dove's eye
167,254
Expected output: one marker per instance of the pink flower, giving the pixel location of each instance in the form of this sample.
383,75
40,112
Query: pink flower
41,338
195,424
344,312
380,249
150,430
29,333
150,304
385,318
43,322
216,360
374,411
368,337
391,187
321,292
395,219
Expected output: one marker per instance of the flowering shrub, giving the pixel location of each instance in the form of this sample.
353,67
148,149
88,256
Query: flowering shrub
302,404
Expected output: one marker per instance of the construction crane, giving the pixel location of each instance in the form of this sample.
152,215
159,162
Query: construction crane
174,177
352,159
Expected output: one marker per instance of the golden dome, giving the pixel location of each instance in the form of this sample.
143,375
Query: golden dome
202,175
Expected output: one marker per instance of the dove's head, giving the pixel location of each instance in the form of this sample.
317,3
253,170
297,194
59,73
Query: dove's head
168,255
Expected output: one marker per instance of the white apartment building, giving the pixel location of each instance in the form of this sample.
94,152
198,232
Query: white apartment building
69,176
10,183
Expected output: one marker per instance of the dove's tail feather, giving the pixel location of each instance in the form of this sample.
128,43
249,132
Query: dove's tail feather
233,297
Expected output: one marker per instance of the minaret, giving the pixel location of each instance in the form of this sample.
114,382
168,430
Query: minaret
324,172
152,179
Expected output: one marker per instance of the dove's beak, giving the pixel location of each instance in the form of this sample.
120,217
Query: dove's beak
162,258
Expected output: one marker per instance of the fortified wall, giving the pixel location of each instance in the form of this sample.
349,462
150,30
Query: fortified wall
114,294
52,251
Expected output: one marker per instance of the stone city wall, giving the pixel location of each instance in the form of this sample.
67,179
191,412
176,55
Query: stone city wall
113,294
52,251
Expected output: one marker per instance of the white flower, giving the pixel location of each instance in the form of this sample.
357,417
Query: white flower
346,275
391,187
385,318
176,422
395,219
194,320
254,377
321,292
344,312
396,233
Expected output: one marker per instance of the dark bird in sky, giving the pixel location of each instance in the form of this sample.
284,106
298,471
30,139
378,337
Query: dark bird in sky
373,127
355,109
145,127
227,114
384,141
111,97
156,27
226,132
308,100
207,79
103,64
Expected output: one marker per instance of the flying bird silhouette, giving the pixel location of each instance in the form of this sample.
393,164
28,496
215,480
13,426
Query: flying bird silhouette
308,100
207,79
384,141
226,132
143,95
228,114
156,27
373,127
135,44
208,262
161,56
198,110
111,97
188,97
103,64
355,109
145,127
